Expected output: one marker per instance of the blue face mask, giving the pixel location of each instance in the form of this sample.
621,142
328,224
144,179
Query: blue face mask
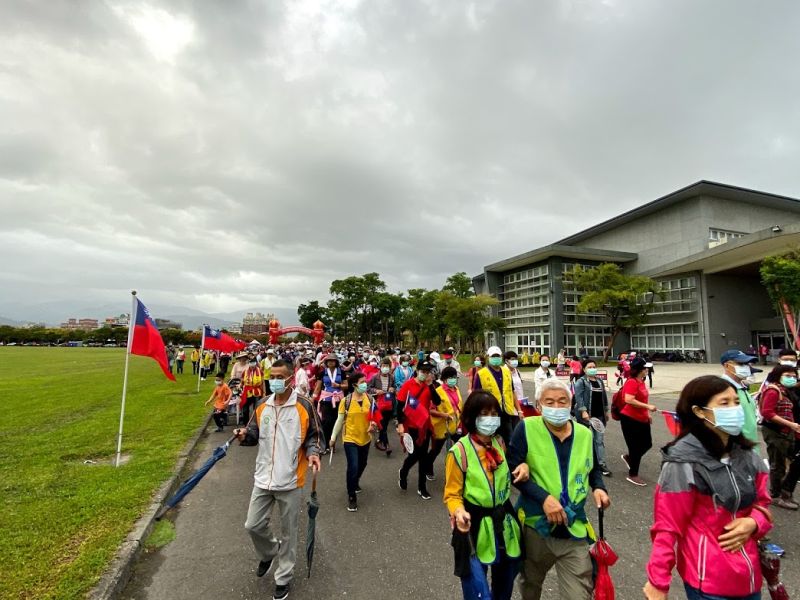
789,381
452,382
496,361
362,388
487,425
514,363
728,419
277,386
555,416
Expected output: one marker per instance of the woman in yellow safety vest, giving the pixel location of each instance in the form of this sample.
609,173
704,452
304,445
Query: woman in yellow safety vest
477,495
445,416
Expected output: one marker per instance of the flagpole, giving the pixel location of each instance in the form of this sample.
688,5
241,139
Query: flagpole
131,325
200,370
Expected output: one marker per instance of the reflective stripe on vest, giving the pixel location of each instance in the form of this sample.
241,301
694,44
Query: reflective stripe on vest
489,383
478,491
543,462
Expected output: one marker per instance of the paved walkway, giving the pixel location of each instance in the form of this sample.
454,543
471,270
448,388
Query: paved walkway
396,543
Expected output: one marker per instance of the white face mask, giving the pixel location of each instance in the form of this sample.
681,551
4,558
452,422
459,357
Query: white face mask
742,371
789,363
545,363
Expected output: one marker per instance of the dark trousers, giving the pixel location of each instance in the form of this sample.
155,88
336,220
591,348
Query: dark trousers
223,365
179,365
638,439
329,414
220,418
503,574
419,455
356,463
779,448
383,435
695,594
195,367
650,378
433,454
250,404
790,483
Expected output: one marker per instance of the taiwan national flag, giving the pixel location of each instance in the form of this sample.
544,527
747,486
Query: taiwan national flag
147,340
374,414
673,422
217,340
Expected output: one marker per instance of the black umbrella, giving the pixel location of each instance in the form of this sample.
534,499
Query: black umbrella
190,483
313,509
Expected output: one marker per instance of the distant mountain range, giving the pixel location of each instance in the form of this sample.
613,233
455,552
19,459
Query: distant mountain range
55,313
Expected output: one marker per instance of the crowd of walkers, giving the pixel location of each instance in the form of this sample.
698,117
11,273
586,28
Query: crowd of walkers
713,500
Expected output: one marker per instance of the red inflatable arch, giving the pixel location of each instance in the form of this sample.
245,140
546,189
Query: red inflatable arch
276,331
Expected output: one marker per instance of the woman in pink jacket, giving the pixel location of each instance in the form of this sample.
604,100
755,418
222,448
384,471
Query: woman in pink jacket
711,502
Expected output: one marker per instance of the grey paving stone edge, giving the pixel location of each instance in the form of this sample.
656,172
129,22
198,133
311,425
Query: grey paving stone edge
113,581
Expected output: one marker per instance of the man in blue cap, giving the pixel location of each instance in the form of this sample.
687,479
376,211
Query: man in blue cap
737,369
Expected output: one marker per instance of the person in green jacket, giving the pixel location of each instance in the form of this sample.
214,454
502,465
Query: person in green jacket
477,493
737,370
557,532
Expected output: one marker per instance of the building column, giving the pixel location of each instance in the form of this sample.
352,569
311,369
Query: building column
556,305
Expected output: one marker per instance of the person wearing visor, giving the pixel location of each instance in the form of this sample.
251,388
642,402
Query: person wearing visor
496,379
448,360
288,438
737,370
563,474
711,503
414,402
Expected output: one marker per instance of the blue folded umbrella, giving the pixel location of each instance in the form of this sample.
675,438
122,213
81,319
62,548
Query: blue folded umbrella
190,483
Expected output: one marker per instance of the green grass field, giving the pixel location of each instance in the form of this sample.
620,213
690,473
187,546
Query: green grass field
62,520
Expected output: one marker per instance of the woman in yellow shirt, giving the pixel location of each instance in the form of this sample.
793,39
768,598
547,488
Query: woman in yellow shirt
477,493
445,416
354,418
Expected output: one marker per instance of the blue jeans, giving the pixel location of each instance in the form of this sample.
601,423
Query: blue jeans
503,574
356,463
693,594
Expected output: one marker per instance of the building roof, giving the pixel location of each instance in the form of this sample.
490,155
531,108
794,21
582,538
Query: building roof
701,188
747,250
561,250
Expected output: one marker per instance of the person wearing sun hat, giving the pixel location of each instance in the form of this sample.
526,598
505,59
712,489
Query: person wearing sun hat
448,360
496,379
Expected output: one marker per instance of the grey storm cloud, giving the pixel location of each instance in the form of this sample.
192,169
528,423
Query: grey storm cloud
219,155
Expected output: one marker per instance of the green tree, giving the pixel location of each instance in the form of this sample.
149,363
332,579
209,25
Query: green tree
780,275
310,313
625,300
418,318
460,285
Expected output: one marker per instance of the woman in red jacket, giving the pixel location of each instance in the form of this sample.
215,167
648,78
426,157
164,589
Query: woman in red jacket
711,502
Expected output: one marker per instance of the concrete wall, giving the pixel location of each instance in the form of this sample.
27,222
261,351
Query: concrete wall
681,230
731,303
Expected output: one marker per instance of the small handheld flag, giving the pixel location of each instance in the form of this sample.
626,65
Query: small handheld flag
673,422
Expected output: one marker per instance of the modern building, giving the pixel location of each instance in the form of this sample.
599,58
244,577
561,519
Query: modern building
256,323
703,244
80,324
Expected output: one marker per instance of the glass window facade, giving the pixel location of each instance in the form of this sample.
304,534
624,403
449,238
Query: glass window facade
582,329
525,306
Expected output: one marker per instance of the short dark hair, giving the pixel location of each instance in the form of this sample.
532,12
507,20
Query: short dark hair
476,403
354,378
787,352
449,372
509,354
698,392
283,363
776,373
586,361
220,375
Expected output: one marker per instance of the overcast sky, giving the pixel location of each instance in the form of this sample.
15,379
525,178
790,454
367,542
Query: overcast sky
222,155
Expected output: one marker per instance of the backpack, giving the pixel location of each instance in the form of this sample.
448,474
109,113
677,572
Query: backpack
617,404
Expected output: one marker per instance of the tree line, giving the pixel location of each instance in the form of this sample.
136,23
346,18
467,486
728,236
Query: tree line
360,308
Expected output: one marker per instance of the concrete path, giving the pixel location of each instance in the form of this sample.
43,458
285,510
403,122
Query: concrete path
396,544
